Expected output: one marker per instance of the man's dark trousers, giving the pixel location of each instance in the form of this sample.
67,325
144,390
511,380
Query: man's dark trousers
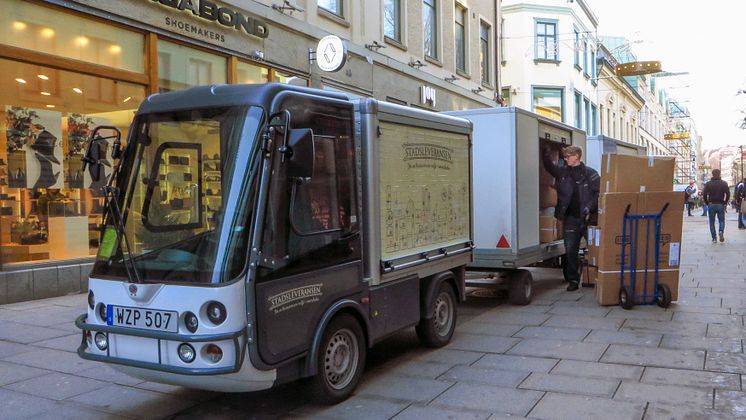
573,231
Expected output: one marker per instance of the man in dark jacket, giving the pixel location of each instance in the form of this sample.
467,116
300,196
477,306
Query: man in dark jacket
716,195
577,204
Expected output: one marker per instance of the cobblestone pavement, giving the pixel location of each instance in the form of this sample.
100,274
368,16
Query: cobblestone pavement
562,357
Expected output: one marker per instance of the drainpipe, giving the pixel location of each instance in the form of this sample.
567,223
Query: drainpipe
498,50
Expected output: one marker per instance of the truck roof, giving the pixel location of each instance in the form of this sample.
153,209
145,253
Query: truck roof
225,95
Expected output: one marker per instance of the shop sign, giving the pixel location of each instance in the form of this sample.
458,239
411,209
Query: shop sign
676,136
331,53
427,96
225,16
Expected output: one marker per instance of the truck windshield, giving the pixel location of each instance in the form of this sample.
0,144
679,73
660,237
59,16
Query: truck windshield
184,188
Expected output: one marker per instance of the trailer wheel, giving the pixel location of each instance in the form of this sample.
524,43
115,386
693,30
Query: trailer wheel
663,298
626,297
341,361
438,330
521,287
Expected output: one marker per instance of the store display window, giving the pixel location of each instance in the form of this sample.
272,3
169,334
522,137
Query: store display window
50,208
38,28
181,67
250,74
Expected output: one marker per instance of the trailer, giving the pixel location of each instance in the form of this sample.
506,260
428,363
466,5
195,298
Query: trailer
512,196
257,234
600,145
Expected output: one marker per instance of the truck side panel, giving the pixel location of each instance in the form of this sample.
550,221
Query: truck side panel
527,171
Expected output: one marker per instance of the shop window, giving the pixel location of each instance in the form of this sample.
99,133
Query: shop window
37,28
548,102
290,79
181,67
50,209
250,73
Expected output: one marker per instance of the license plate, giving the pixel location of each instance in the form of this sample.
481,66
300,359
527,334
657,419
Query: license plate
146,319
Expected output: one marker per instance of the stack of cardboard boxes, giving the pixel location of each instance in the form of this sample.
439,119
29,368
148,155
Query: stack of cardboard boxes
550,229
637,185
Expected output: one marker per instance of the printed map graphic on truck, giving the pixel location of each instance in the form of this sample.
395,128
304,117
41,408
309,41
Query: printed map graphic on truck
424,189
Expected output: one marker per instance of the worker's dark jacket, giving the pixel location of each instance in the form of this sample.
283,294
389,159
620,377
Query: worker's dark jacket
716,192
589,184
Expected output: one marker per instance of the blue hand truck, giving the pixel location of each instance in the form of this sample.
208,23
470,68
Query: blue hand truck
631,226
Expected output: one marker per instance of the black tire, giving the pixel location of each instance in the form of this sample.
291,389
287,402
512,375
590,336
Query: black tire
438,330
341,361
521,287
626,297
663,298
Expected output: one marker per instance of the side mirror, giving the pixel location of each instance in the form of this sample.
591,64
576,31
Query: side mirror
300,153
92,155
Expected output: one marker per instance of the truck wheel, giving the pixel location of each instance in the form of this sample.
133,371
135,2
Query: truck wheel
438,330
341,361
521,287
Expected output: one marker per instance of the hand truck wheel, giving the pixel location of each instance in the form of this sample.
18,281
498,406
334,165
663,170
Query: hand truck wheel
626,297
663,296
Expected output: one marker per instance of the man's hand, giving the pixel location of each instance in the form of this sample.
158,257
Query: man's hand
586,214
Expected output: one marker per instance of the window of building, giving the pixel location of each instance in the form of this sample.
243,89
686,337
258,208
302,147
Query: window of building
33,27
548,102
506,96
484,52
430,28
251,73
502,40
546,40
392,20
460,35
332,6
288,78
576,47
587,107
578,110
181,67
594,119
593,70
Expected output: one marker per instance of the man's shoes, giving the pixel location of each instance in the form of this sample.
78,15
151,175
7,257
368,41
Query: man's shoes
573,286
714,240
722,238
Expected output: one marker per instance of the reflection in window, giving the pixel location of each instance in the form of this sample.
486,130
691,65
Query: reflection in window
392,19
484,52
548,102
460,38
181,67
546,41
250,73
334,6
430,25
290,79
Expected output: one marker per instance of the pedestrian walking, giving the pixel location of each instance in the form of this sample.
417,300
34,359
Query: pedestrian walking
689,198
717,196
740,194
577,204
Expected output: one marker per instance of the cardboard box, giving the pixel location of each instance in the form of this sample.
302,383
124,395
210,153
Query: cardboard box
589,275
608,285
550,229
547,196
545,178
608,233
626,173
672,220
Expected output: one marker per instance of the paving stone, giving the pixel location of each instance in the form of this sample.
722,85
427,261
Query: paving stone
56,386
708,318
559,348
502,330
731,402
485,375
132,402
43,317
519,363
726,362
697,329
597,311
698,309
570,384
502,317
419,412
68,279
700,301
403,388
489,398
624,337
655,313
19,285
693,378
64,410
45,282
406,367
179,391
597,370
648,356
57,360
660,411
481,343
22,333
702,343
557,333
65,343
357,407
17,405
450,357
11,373
562,406
584,322
666,394
9,349
726,331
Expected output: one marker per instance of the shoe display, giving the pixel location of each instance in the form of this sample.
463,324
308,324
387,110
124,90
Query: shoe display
722,238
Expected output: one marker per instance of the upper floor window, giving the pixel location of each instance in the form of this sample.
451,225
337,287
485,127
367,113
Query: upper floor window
548,102
430,25
576,47
460,30
586,66
484,52
333,6
392,19
546,40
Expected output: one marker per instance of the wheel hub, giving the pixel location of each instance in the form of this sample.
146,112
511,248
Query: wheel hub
442,318
340,359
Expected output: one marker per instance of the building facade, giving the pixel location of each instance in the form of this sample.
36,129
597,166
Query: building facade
620,102
70,65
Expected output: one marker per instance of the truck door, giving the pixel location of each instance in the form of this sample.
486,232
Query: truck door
311,246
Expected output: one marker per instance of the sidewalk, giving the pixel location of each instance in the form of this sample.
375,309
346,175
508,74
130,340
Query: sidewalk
562,357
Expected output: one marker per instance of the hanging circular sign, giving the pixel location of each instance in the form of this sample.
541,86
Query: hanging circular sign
331,53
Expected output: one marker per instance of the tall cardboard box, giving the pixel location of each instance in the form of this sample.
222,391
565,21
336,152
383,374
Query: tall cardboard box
626,173
672,220
608,234
547,196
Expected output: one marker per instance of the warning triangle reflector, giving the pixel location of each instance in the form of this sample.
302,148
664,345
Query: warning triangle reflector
503,242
